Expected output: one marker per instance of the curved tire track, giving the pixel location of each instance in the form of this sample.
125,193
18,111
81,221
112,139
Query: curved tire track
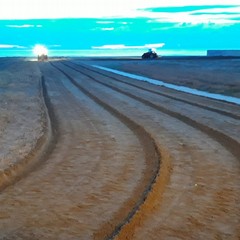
226,141
220,111
152,152
43,148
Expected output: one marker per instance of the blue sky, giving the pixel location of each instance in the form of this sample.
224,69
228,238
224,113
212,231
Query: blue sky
122,25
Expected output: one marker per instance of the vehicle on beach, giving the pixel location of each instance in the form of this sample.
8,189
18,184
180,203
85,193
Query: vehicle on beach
42,57
41,52
151,54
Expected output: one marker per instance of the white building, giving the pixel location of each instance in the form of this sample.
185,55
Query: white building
224,53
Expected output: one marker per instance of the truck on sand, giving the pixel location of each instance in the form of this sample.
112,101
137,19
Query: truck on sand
151,54
42,57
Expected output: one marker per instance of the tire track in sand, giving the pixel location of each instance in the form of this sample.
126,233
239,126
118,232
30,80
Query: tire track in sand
43,148
54,201
156,176
117,79
226,141
128,230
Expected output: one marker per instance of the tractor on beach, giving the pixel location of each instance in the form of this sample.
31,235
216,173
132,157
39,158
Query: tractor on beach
42,57
41,52
151,54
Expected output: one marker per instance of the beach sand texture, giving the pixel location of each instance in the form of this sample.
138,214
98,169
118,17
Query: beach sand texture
89,154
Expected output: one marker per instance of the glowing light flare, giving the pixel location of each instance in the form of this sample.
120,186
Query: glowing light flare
40,50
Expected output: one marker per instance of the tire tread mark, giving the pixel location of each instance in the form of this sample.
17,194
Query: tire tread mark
229,114
147,140
226,141
42,149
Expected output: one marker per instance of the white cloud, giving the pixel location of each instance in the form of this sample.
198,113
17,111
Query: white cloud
104,22
107,29
20,26
221,16
116,46
33,9
122,46
155,45
234,9
9,46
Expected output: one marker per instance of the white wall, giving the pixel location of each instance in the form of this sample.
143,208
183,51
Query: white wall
233,53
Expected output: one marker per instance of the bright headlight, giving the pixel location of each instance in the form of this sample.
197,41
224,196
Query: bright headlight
40,50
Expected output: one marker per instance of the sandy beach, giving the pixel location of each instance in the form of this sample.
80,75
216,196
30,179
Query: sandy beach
89,154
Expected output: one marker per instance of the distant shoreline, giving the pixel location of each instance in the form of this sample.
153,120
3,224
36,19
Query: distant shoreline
110,58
